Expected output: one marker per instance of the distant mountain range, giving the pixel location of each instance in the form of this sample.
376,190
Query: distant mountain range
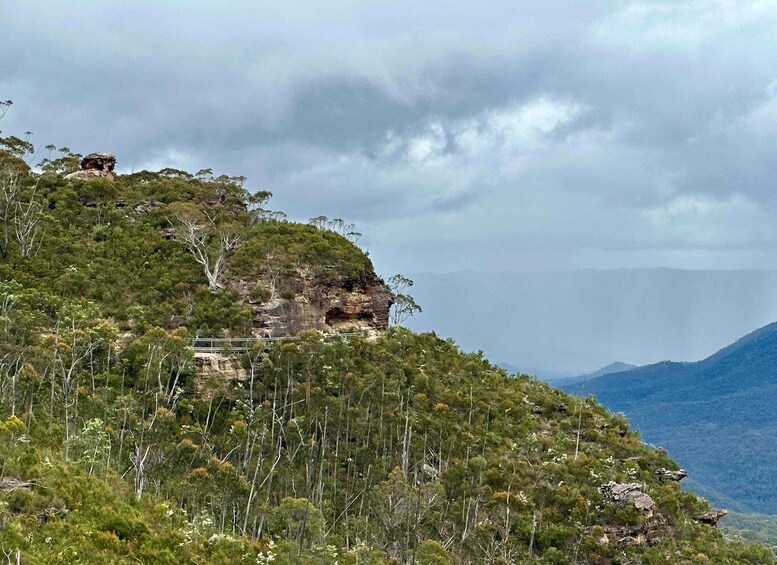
554,378
567,323
617,367
716,417
544,374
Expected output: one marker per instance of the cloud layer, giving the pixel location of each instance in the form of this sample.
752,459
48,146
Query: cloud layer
544,135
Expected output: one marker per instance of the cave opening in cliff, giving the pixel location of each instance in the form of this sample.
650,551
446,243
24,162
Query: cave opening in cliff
337,316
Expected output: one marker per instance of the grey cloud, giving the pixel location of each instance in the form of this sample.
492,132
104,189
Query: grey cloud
323,106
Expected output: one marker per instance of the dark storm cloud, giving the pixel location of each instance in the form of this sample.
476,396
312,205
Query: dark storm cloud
597,126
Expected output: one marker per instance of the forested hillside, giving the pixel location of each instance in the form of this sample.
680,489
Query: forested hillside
389,448
716,416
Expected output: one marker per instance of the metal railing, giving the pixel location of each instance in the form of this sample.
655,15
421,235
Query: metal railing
243,344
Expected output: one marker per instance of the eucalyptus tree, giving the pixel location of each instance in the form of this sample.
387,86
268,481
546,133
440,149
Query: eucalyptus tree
10,189
27,225
209,242
404,304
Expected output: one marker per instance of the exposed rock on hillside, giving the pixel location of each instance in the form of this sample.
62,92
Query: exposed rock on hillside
669,475
647,533
210,364
96,165
358,304
615,493
145,207
712,517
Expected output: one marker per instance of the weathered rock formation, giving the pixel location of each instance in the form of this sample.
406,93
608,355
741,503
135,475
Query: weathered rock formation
216,364
669,475
145,207
359,304
96,165
711,517
647,533
617,493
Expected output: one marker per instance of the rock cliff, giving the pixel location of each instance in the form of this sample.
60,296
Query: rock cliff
295,293
354,304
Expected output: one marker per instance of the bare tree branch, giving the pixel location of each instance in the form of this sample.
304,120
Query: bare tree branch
208,244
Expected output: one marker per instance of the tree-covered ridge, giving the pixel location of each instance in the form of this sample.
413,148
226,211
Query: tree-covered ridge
126,246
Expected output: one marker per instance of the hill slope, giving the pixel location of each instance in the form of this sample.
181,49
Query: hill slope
715,416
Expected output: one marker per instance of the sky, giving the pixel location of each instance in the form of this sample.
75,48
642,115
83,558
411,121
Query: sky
511,136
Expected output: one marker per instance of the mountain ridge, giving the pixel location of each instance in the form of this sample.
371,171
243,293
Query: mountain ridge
615,367
715,415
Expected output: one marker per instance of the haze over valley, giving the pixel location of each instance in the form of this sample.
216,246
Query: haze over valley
568,323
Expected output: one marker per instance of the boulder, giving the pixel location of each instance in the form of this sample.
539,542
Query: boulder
712,517
98,165
615,493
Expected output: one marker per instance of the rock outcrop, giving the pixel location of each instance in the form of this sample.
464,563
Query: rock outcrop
669,475
617,493
98,165
360,304
648,533
711,517
216,364
144,207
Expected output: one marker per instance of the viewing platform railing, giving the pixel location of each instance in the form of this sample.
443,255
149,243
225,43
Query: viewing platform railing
243,344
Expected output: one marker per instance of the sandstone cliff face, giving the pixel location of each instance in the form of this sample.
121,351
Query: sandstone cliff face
359,304
217,366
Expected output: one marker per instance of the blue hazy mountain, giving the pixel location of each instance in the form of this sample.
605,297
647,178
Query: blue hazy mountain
617,367
612,368
717,417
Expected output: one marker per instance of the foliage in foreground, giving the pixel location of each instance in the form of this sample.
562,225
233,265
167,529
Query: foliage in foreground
404,449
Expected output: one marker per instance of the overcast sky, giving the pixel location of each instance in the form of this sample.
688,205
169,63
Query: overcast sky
531,135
